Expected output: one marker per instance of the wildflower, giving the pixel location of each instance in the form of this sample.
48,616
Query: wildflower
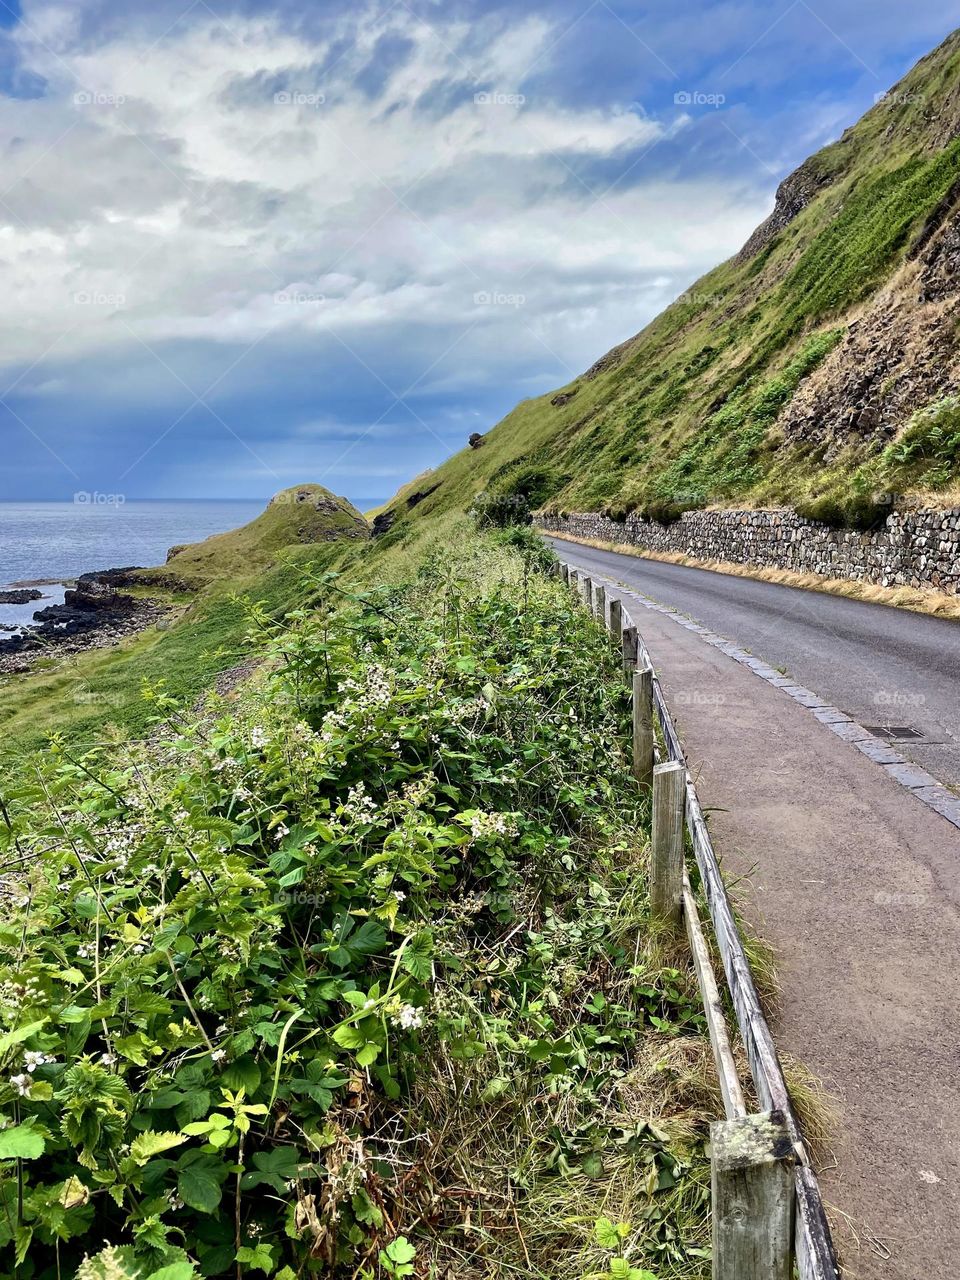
282,831
399,895
22,1084
108,1059
409,1018
258,739
33,1059
218,1055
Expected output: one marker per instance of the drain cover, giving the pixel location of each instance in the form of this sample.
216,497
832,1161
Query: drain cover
894,732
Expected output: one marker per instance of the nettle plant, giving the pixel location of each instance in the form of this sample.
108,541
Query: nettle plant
221,963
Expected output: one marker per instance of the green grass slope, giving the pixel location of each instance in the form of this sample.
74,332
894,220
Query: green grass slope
87,696
303,515
814,368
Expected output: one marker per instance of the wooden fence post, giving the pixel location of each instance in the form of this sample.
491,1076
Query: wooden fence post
643,726
564,572
753,1198
616,619
630,649
600,603
666,843
586,585
573,581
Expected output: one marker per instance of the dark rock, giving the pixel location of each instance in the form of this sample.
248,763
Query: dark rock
383,523
21,595
476,440
416,498
564,397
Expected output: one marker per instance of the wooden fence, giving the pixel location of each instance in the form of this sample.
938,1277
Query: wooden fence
768,1214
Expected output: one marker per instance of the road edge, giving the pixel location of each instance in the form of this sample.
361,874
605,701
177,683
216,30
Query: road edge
927,789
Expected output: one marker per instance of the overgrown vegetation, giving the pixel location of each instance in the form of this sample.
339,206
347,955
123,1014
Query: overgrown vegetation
357,980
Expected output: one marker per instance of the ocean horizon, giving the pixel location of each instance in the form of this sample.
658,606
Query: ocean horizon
58,541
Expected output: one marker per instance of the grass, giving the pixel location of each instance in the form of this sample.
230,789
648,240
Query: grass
462,732
684,414
87,697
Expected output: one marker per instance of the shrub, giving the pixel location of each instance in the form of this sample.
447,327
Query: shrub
267,979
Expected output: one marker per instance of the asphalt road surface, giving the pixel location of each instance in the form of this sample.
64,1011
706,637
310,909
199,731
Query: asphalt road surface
881,666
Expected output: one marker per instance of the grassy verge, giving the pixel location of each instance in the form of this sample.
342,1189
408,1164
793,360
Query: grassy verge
359,980
85,698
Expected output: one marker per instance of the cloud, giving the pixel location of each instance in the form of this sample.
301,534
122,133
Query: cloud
356,227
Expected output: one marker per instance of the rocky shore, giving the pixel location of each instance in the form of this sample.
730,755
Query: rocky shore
95,613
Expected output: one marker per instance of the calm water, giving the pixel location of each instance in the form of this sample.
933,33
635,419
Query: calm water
60,540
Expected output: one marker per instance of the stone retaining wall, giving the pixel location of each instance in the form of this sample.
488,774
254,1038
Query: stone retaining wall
913,548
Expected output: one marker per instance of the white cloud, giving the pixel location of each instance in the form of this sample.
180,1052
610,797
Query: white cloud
161,192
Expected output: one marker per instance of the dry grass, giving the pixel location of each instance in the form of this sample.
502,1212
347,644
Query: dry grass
934,603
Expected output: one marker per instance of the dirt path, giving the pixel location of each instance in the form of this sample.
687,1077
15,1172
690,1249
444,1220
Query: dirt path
857,886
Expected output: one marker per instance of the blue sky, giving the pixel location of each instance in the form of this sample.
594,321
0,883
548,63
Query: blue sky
244,246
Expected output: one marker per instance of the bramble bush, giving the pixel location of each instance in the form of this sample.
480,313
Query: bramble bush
265,977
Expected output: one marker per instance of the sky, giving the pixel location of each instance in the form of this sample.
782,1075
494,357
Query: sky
244,246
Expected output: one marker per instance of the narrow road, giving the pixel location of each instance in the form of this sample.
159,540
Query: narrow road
882,666
854,883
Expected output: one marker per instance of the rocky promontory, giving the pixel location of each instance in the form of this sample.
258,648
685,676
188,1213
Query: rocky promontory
94,613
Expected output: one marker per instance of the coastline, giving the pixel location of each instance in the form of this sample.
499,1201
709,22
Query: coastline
94,615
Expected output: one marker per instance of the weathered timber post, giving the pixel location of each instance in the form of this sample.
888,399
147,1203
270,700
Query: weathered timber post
573,581
643,726
666,844
753,1198
564,572
600,603
586,585
630,649
616,619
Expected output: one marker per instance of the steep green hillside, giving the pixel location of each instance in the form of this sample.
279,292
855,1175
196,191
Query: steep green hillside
818,367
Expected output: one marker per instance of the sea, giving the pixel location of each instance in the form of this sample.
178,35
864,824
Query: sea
51,543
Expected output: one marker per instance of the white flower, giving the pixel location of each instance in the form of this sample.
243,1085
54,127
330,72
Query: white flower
409,1018
258,739
282,831
22,1084
218,1055
399,895
32,1059
108,1059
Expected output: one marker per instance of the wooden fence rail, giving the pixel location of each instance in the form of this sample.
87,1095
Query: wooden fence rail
768,1212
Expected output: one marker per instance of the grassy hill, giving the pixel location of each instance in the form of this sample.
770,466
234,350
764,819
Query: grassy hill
208,585
819,367
305,515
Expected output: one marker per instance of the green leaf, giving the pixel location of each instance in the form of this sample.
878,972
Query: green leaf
176,1271
199,1183
151,1144
22,1033
22,1142
258,1257
401,1250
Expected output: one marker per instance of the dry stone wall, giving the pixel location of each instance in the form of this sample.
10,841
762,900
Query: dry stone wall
913,548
